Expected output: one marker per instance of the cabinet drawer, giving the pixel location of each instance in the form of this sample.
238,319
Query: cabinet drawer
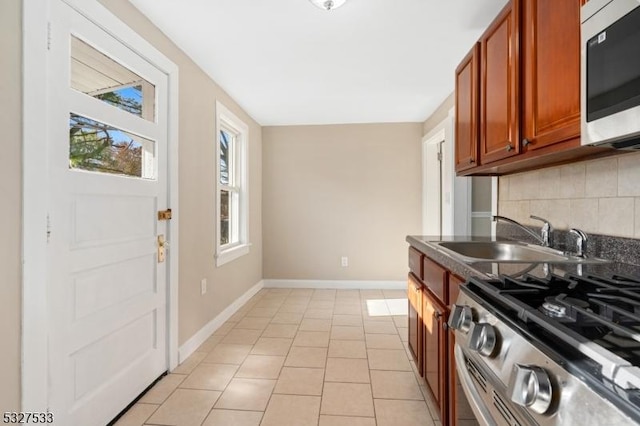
414,293
435,278
454,288
415,262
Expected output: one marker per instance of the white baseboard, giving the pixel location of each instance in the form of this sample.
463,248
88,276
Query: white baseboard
205,332
337,284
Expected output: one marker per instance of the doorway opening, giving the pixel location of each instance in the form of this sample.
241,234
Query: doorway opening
453,205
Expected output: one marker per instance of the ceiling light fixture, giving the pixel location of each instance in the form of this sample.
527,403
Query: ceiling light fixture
328,4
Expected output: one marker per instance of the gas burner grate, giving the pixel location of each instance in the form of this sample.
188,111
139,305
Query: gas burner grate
597,317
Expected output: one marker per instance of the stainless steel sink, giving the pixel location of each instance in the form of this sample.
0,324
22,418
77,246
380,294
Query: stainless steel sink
507,251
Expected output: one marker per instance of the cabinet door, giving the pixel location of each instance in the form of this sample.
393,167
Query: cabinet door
435,350
500,86
551,72
414,296
467,99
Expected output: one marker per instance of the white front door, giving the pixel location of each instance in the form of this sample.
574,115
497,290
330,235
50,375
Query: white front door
107,169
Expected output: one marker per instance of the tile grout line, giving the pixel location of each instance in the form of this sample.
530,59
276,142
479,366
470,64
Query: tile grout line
264,297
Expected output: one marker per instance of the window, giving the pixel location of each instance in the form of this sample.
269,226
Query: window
232,239
94,145
97,75
98,147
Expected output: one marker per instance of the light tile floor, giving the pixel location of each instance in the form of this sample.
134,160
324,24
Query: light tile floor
297,357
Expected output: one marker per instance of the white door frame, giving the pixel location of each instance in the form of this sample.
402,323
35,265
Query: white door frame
428,147
456,191
35,355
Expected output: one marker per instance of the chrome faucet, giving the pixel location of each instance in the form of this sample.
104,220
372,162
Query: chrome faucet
547,230
581,241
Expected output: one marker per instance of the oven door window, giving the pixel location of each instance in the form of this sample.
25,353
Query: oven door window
613,68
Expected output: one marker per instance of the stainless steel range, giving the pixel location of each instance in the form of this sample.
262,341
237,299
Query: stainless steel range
552,351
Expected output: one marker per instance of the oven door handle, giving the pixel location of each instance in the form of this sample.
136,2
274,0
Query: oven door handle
466,381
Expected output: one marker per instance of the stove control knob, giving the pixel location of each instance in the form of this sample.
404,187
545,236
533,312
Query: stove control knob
461,318
483,339
530,387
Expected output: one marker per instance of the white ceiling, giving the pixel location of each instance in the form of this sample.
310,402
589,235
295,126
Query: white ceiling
287,62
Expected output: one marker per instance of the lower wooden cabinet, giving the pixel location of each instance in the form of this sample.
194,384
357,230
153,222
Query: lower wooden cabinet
415,327
430,341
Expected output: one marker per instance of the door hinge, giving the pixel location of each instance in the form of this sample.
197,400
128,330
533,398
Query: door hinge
48,35
440,156
48,228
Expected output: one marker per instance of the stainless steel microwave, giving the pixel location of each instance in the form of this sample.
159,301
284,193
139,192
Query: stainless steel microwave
610,73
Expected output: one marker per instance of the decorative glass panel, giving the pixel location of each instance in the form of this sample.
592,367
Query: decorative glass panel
224,217
98,147
99,76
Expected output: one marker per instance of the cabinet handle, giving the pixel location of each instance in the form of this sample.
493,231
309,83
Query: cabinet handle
509,148
471,161
525,142
437,315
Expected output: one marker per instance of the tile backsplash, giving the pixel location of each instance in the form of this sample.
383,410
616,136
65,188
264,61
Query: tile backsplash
598,196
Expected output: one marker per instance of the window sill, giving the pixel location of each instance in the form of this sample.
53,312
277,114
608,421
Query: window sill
231,254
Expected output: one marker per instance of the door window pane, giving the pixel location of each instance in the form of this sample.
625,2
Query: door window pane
99,76
98,147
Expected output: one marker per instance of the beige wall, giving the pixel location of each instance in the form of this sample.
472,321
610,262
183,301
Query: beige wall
340,190
10,189
198,95
439,114
599,196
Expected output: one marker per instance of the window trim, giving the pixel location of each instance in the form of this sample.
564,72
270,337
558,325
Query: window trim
228,121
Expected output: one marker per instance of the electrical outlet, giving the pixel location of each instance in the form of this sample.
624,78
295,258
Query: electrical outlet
203,286
344,261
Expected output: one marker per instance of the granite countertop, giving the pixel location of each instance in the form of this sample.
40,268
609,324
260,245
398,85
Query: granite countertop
488,269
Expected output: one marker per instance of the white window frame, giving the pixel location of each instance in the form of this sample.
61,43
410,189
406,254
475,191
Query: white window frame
228,121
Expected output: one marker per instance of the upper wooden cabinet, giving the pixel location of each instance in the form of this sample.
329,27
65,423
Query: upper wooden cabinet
500,86
551,72
529,88
467,102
